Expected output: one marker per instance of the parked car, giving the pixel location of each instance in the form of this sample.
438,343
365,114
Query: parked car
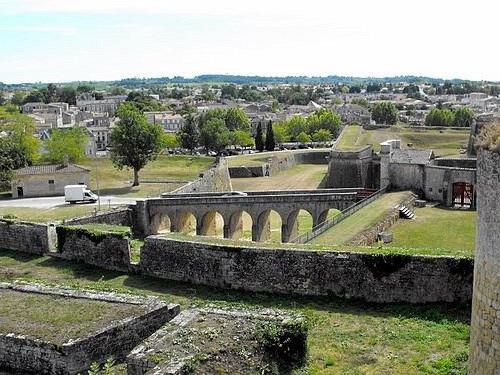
235,194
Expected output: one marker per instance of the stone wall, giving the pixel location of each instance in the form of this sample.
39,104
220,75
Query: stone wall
370,277
26,237
352,169
75,356
370,236
116,217
105,250
485,322
215,179
279,162
37,185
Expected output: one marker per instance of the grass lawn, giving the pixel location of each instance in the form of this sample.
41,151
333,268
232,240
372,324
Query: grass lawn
172,168
300,176
260,158
452,231
345,337
444,142
42,215
57,318
366,217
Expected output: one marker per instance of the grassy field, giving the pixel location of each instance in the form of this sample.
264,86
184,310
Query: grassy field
345,337
42,215
56,318
366,217
449,230
444,142
300,176
260,158
174,169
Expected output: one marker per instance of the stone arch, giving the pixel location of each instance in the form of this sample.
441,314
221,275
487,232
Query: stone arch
185,223
298,221
268,227
240,225
327,214
211,224
161,223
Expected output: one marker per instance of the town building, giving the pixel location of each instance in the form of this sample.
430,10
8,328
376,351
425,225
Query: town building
47,180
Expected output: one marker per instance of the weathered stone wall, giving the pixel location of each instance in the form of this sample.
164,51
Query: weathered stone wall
34,356
26,237
105,250
117,217
281,162
485,323
371,277
215,179
438,184
407,176
352,169
370,236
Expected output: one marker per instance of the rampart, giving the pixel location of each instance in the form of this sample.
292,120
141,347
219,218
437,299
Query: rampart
105,250
370,277
215,179
117,217
26,237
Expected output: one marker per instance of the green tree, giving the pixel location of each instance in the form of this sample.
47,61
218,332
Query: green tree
12,157
270,143
463,117
280,132
215,136
69,143
259,141
170,140
20,130
322,135
242,138
67,94
385,113
296,125
134,142
303,138
144,102
324,119
189,136
236,118
439,117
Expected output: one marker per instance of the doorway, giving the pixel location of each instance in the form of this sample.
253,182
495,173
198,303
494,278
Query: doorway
463,194
20,191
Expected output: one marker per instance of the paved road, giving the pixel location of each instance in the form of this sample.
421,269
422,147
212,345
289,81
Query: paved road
51,202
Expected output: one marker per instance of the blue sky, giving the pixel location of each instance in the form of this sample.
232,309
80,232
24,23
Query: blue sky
64,40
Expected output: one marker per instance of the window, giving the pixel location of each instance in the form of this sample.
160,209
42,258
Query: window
51,182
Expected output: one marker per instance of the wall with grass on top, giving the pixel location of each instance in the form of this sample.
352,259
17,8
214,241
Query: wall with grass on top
370,277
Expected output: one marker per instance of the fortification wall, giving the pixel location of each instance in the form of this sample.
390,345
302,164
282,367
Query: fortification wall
118,217
105,250
215,179
371,277
281,162
26,237
351,169
485,323
407,176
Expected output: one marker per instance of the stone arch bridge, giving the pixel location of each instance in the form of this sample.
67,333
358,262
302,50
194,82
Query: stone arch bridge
204,207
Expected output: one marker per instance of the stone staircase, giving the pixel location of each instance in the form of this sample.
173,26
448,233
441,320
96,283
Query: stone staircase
405,213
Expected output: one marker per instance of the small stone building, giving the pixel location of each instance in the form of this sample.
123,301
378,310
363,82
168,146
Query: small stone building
47,180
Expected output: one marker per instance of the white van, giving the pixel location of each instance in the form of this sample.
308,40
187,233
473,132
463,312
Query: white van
79,193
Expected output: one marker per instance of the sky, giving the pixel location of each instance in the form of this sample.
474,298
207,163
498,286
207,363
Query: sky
78,40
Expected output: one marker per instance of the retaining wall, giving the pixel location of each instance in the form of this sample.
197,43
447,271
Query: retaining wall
370,277
31,355
26,237
370,236
105,250
215,179
117,217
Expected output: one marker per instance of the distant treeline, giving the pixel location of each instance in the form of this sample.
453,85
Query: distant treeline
240,79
